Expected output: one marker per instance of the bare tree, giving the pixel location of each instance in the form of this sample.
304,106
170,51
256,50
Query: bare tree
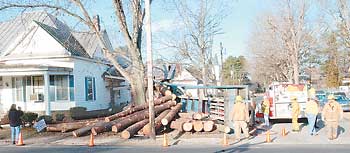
282,40
194,39
132,33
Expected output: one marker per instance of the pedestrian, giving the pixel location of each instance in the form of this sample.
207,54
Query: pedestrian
20,112
311,113
295,114
240,116
331,114
266,110
15,122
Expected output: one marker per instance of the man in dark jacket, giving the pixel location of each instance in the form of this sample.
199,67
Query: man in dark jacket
15,122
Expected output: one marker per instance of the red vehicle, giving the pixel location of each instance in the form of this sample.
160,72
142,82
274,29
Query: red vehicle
280,94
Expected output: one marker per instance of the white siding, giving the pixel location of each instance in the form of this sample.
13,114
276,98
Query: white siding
84,69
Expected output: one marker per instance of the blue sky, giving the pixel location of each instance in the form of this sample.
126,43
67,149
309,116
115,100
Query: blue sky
236,26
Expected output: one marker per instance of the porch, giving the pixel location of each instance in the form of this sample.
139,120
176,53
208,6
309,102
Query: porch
36,88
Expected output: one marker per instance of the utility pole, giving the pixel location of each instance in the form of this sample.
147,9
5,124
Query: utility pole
150,68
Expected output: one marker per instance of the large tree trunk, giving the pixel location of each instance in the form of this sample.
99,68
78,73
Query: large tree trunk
138,88
209,126
157,123
131,130
168,118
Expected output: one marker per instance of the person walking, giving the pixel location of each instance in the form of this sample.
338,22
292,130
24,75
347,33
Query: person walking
15,123
240,116
266,110
295,114
331,114
311,113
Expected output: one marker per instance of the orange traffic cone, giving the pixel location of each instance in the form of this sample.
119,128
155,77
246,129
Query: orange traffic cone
225,141
284,133
91,143
20,140
165,140
268,138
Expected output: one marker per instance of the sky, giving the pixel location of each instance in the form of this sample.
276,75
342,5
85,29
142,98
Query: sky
236,26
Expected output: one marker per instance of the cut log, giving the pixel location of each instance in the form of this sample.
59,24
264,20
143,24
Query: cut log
73,126
137,108
209,126
53,128
199,116
146,130
170,116
198,126
86,130
139,116
188,126
186,115
178,124
131,130
223,128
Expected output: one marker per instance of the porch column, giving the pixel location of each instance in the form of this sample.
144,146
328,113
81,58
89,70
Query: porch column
46,93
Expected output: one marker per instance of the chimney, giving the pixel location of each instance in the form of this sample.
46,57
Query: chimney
96,22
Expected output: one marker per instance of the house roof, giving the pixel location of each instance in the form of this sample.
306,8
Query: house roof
77,44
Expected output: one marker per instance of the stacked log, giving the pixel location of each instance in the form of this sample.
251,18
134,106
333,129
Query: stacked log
132,120
146,130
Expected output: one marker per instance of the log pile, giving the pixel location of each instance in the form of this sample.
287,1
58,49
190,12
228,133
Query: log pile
193,122
129,122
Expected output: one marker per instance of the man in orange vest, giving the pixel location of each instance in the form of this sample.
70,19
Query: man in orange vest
295,114
332,112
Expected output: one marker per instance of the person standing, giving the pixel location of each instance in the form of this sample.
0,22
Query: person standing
266,110
15,122
311,113
240,116
332,112
295,114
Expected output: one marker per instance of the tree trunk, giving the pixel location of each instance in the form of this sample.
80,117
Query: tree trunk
138,88
131,130
53,128
198,126
209,126
157,123
169,117
223,128
138,116
138,108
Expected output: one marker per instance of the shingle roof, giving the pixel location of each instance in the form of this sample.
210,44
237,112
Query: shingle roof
12,31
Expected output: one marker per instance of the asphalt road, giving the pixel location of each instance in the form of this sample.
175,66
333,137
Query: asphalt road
213,149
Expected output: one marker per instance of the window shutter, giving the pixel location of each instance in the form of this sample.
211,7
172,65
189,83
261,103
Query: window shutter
94,87
52,88
71,87
86,89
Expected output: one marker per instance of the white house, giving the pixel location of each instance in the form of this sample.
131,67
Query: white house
45,67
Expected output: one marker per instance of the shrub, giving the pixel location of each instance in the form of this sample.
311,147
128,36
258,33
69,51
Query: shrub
59,117
29,117
77,112
47,118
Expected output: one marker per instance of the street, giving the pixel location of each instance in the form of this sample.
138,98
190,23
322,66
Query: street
211,149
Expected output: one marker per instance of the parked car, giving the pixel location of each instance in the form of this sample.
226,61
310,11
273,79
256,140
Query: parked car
321,97
343,101
339,93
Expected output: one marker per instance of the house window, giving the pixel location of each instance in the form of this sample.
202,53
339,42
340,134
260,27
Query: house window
61,87
17,83
61,82
38,84
90,91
